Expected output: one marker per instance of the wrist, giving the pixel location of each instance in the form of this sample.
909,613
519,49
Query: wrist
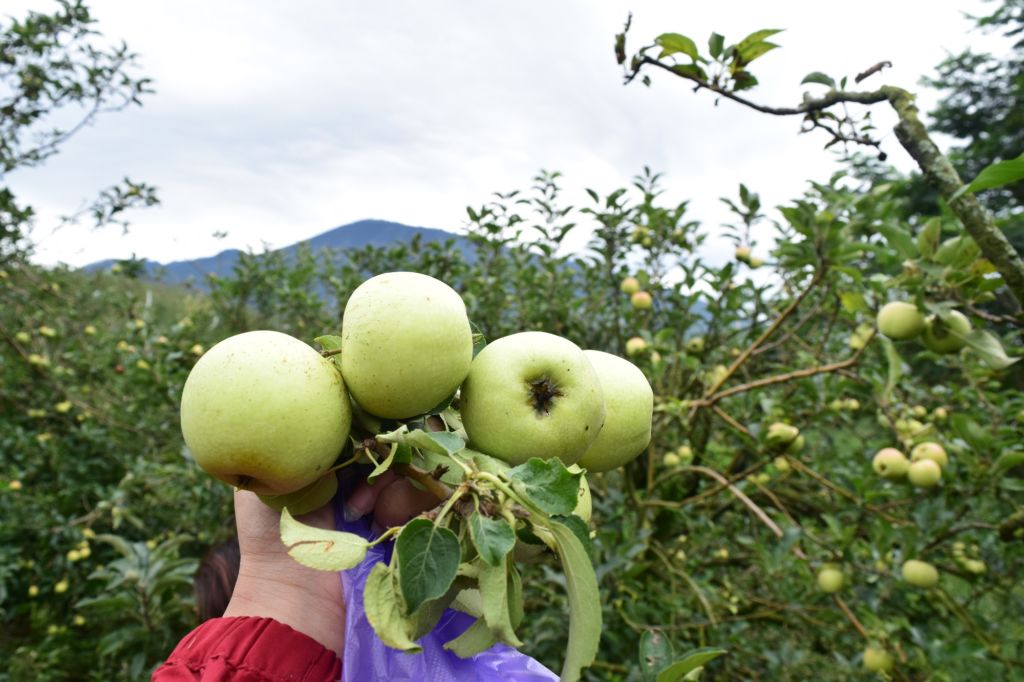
306,600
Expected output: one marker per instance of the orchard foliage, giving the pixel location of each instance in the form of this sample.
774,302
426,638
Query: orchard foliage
712,540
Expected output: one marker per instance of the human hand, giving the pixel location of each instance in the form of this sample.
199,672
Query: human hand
273,585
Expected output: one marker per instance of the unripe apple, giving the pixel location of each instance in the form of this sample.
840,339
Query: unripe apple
930,450
877,659
564,406
920,573
685,453
265,412
782,464
919,411
743,253
670,459
940,414
630,285
852,404
695,344
781,434
900,320
641,300
636,345
890,463
924,473
975,566
940,337
755,262
406,344
830,579
630,408
797,445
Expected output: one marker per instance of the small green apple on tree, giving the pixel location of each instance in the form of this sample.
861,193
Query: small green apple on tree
492,438
891,464
830,579
920,573
877,659
900,321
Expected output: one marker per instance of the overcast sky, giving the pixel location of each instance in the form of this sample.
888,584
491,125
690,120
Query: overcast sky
276,121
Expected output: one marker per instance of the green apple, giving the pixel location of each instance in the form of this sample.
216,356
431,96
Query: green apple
877,659
930,450
671,459
743,253
890,463
781,463
532,394
924,473
406,344
630,408
265,412
685,453
797,445
946,336
642,300
900,320
695,344
630,285
302,501
830,579
975,566
940,414
635,345
781,434
755,262
920,573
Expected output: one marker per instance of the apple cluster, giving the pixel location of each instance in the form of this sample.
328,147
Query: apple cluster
923,469
902,321
265,412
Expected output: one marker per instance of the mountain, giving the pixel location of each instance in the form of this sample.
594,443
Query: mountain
352,236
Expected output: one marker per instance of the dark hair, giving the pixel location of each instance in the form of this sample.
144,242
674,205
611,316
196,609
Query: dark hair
215,579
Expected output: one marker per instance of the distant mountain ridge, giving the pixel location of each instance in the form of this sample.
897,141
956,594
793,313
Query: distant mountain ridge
352,236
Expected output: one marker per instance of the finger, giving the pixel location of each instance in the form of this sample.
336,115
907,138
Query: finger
401,501
363,499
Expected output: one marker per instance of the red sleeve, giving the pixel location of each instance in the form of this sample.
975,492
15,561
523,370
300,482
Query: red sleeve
248,649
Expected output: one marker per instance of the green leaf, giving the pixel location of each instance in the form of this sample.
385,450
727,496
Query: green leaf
820,78
690,662
995,175
324,550
584,602
439,442
329,342
384,610
493,538
978,438
755,50
476,639
494,593
756,37
655,654
580,529
428,560
895,367
928,238
989,349
853,302
548,484
1007,461
900,239
957,252
384,465
673,43
690,70
715,44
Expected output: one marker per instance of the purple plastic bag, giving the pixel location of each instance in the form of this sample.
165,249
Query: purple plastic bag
367,658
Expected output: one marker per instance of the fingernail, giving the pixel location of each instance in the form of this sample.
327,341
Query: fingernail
350,513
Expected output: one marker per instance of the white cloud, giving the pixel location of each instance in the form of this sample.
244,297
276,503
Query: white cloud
278,121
